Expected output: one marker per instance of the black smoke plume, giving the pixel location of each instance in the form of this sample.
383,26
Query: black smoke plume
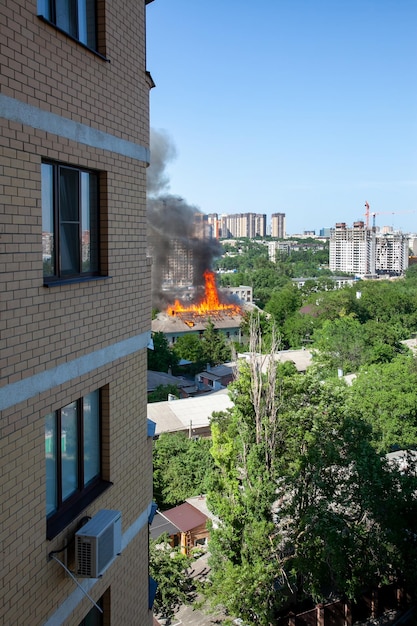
172,223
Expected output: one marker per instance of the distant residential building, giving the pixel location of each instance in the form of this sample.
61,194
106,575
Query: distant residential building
248,225
350,249
178,267
338,281
214,225
277,246
278,225
391,254
243,292
288,246
364,252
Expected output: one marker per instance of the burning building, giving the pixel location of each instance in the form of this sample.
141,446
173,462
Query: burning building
181,317
180,238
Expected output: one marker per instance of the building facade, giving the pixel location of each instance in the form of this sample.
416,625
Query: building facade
364,252
249,225
75,307
278,225
391,254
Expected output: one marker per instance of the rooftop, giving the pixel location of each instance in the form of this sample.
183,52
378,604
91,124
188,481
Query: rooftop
182,414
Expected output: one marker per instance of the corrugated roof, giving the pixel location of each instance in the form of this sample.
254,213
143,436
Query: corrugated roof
302,359
177,415
185,517
162,378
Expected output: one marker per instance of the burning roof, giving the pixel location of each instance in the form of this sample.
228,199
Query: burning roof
209,306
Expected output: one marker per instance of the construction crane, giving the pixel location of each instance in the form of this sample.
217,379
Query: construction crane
367,214
374,213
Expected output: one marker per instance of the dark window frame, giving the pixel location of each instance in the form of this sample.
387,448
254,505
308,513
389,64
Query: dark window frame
59,275
68,509
47,12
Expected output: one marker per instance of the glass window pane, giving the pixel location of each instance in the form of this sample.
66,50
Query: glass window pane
44,8
51,463
68,194
91,436
48,250
66,16
69,439
70,249
94,617
87,22
89,221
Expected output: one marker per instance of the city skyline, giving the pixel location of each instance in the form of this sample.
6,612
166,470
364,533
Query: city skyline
308,109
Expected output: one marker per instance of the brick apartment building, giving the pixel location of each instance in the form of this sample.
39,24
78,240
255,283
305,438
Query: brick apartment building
75,308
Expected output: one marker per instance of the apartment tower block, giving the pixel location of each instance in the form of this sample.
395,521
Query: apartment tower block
365,252
278,225
75,309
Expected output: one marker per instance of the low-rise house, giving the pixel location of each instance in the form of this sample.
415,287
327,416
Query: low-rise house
185,524
190,415
217,377
156,379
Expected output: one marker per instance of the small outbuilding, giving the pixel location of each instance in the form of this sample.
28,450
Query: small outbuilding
185,524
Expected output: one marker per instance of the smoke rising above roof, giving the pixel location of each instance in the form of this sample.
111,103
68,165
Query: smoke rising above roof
172,221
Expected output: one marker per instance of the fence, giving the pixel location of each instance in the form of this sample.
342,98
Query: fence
371,605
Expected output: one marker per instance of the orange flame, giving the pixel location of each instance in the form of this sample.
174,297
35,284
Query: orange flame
209,304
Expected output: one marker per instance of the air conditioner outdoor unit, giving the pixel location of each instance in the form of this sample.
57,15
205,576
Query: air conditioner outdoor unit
97,544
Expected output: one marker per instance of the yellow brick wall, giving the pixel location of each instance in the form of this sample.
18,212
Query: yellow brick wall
44,67
42,328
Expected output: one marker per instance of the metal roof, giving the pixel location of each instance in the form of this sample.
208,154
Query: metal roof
160,525
185,517
178,414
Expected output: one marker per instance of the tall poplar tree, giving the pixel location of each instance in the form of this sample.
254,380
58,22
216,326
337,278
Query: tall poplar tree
308,507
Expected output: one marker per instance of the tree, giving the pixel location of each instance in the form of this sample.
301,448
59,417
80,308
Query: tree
411,273
161,393
161,358
339,343
181,468
283,303
190,347
307,505
168,567
385,396
216,350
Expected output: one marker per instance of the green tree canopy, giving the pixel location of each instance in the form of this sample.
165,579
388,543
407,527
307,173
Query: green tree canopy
283,303
339,344
216,349
181,468
161,393
168,567
385,397
305,500
161,358
190,347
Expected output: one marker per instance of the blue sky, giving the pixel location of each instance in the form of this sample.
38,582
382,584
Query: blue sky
306,107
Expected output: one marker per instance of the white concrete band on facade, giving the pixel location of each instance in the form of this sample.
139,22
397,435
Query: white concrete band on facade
16,111
73,600
22,390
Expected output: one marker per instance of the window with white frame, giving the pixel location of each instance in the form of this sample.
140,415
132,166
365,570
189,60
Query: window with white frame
73,454
70,222
77,18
